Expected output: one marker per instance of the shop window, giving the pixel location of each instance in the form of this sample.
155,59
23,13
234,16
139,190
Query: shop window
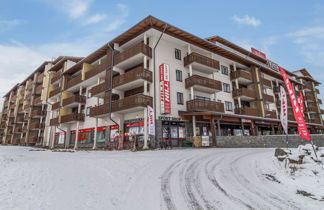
85,136
228,106
179,75
177,53
224,70
226,88
179,98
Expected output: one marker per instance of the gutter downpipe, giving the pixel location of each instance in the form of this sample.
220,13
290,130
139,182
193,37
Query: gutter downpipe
154,80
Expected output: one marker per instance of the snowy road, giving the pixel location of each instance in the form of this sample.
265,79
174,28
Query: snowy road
172,179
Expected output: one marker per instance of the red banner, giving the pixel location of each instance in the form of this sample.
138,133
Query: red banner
258,53
299,116
301,102
165,89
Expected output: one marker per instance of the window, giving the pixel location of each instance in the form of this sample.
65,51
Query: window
177,54
226,88
202,98
180,98
228,106
179,75
224,69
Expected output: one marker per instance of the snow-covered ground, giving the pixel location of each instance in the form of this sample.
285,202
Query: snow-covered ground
169,179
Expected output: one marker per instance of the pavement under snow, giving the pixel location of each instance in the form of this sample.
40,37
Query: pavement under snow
168,179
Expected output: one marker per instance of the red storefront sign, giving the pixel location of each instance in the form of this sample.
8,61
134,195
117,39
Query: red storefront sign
135,124
258,53
59,133
114,127
299,116
165,89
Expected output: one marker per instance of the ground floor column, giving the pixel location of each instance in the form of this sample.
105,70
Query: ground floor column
213,130
145,129
95,135
194,125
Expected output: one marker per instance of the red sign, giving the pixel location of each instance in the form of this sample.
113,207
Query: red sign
258,53
165,89
299,116
301,102
135,124
114,127
59,133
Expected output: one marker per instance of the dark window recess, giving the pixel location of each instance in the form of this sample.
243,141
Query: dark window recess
177,53
179,98
179,75
226,88
202,98
228,106
224,70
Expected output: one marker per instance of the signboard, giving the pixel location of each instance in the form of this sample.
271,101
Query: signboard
301,102
273,65
165,89
302,128
151,121
246,121
284,110
258,53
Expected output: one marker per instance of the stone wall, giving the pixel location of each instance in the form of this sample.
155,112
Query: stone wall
266,141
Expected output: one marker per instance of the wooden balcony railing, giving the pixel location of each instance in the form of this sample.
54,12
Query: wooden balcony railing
132,75
37,101
251,93
32,140
270,114
132,51
98,69
40,78
203,81
268,98
246,111
73,81
56,105
316,120
310,97
266,82
204,105
55,92
201,59
241,74
38,90
99,89
36,113
55,79
312,109
20,119
73,117
35,126
308,85
54,121
74,99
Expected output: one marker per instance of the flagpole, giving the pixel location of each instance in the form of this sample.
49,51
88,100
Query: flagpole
314,150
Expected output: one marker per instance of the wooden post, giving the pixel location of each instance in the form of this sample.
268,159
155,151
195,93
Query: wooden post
242,125
212,129
218,127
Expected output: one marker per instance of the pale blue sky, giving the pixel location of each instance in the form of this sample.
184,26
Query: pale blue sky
291,33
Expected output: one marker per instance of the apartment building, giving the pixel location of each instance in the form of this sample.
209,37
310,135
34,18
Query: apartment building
197,87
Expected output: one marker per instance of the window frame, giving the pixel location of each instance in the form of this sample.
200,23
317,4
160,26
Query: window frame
177,54
228,87
180,99
226,103
227,70
180,73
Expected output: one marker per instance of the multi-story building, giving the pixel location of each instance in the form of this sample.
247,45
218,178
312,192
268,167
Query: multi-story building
197,87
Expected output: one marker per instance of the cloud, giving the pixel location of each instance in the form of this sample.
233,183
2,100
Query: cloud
247,20
95,19
6,25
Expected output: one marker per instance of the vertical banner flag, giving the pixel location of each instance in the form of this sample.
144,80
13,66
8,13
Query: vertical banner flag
283,113
165,89
301,103
302,128
151,121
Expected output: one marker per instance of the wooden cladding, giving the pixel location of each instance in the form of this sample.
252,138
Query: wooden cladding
241,74
201,59
310,97
55,79
36,126
204,105
270,114
37,101
268,98
56,105
251,93
99,89
316,120
73,81
36,113
132,75
133,101
246,111
266,82
54,121
308,85
38,89
203,81
132,51
74,99
73,117
55,92
98,69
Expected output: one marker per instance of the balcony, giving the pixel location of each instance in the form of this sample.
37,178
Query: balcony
74,101
319,101
246,111
32,140
71,118
18,129
201,63
40,78
37,101
98,70
204,105
315,120
24,128
268,98
56,105
312,109
54,121
322,111
55,92
204,84
20,119
55,79
131,103
291,117
37,113
36,126
132,56
243,77
308,86
310,97
245,94
266,82
39,90
99,90
270,114
132,79
73,82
